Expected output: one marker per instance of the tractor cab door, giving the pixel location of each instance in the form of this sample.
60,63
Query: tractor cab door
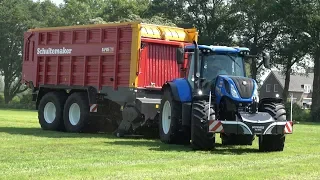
190,69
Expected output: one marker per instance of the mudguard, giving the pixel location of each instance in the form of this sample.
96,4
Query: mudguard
276,100
181,90
268,100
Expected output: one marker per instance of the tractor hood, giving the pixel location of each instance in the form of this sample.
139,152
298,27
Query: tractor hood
240,89
245,86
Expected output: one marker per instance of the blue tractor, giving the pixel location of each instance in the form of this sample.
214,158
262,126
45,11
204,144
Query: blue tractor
216,97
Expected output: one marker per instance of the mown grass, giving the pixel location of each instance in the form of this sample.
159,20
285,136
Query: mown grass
27,152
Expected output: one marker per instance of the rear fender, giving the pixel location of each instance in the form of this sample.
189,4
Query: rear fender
181,92
173,88
180,89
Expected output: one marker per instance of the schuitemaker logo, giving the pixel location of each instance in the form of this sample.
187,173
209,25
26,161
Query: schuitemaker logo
53,51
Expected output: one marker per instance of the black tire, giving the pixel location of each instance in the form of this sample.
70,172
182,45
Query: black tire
76,125
175,133
276,110
273,142
201,139
51,100
236,139
268,143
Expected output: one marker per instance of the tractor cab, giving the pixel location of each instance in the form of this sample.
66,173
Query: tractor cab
214,61
207,65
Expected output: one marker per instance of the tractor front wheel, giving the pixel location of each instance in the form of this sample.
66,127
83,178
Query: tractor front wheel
201,139
236,139
273,142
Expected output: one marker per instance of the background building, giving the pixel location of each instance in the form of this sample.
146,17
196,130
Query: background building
300,86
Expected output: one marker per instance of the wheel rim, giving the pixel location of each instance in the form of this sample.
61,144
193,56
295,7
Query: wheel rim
74,114
49,112
166,117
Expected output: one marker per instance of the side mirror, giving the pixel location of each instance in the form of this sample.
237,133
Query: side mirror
180,55
266,60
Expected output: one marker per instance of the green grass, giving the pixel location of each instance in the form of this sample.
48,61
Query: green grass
27,152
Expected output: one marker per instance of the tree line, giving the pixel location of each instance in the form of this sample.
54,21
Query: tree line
288,29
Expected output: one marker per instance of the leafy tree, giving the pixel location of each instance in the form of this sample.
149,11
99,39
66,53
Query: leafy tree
136,18
313,30
291,45
16,17
258,27
45,13
116,10
173,10
213,19
79,12
215,22
14,20
102,11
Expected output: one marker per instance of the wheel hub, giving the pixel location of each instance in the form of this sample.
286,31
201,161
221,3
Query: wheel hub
166,117
74,114
49,112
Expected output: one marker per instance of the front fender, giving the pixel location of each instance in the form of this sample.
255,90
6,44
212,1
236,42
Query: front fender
276,100
268,100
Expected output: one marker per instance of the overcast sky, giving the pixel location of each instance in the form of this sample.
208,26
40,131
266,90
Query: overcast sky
54,1
57,1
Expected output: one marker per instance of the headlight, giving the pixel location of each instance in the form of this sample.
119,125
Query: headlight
233,91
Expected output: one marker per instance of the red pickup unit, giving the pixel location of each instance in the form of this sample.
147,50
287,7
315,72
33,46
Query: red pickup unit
105,70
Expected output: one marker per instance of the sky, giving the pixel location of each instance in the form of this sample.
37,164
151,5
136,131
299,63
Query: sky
57,2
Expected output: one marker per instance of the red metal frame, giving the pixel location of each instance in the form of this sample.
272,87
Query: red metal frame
157,63
57,70
116,61
86,43
85,70
89,65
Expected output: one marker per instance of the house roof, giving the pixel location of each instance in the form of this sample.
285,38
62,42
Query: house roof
295,80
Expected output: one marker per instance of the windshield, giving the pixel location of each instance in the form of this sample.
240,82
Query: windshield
218,64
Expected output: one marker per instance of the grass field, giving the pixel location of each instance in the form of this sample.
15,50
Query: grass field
27,152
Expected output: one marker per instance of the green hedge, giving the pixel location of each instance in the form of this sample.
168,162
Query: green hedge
24,102
300,115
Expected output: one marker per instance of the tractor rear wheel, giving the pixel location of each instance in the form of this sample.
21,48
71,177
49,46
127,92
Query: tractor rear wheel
273,142
170,131
201,139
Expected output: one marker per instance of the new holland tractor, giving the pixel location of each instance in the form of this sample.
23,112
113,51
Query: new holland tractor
216,97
